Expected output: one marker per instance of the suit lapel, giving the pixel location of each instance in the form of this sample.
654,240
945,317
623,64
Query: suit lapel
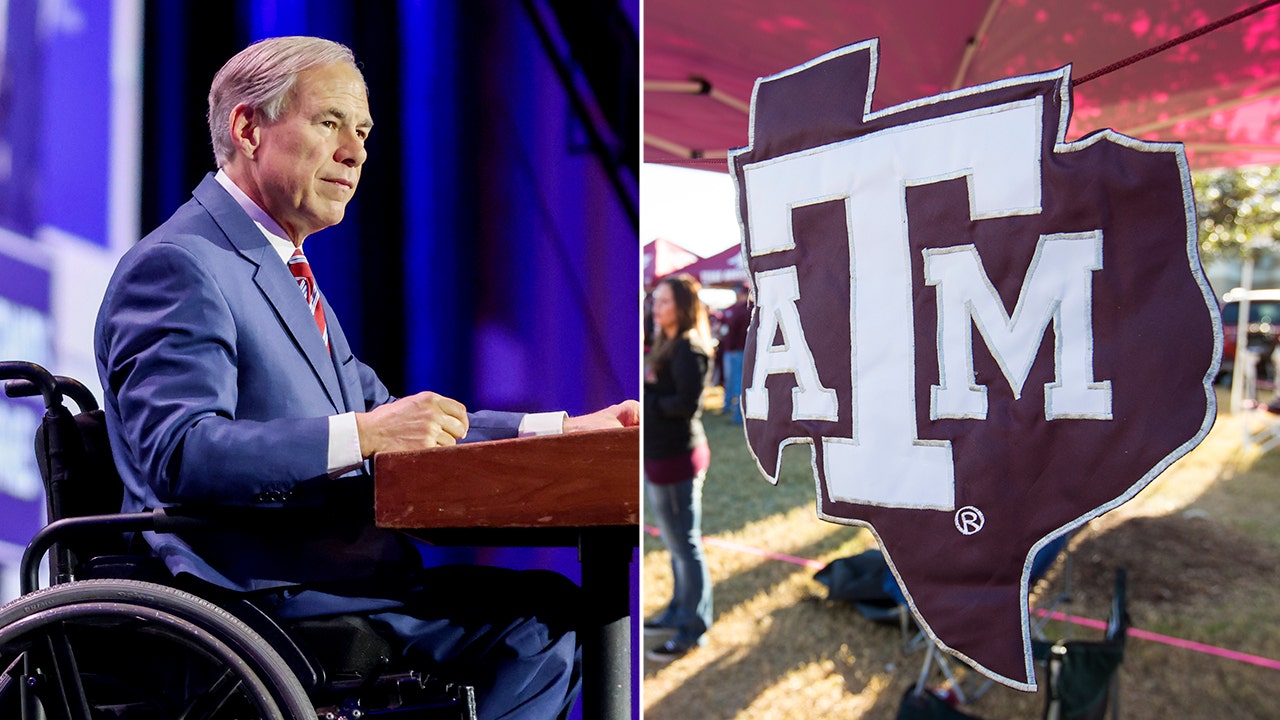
276,283
344,362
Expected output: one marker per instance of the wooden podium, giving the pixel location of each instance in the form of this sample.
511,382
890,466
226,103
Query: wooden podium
581,490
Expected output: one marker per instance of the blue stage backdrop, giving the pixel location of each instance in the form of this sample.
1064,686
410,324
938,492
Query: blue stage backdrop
491,252
69,164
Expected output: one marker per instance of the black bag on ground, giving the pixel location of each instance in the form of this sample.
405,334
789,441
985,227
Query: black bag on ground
927,706
865,581
856,579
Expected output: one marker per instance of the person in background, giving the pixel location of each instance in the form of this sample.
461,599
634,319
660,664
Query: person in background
733,340
676,457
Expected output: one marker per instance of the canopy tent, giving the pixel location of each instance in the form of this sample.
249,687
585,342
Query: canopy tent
1218,93
662,257
724,269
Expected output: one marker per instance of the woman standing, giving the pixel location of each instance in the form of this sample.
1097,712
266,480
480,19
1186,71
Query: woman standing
676,457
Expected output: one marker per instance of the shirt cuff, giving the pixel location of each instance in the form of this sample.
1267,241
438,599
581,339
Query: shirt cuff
547,423
344,444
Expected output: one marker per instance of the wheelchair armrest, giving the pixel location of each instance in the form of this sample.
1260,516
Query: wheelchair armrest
155,520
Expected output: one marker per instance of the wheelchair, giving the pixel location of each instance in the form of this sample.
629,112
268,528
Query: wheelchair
114,636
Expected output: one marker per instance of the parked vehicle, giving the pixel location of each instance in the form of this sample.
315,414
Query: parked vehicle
1264,329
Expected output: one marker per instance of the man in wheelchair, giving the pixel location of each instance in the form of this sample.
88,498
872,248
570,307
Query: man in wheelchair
230,391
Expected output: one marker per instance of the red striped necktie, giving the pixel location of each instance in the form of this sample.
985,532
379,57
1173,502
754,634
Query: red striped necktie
301,270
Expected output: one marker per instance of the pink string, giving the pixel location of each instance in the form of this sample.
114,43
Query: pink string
1176,41
1168,640
1062,617
812,564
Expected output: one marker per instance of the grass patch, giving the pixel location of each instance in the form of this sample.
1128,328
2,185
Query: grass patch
1201,544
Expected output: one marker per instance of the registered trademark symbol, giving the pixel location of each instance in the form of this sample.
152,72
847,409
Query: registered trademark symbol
969,520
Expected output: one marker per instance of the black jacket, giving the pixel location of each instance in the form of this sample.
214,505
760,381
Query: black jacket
673,403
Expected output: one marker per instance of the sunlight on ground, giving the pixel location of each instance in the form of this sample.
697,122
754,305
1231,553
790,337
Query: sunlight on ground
738,629
758,621
779,650
825,690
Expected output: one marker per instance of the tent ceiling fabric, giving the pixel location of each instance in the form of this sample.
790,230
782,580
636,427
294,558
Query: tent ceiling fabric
1218,93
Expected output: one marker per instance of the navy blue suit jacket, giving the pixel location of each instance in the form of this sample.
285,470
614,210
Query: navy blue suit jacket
218,390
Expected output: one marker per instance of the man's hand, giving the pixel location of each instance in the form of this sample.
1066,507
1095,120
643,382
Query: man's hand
624,414
417,422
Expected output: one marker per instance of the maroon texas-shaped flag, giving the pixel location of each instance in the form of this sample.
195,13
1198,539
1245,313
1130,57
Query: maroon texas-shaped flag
987,334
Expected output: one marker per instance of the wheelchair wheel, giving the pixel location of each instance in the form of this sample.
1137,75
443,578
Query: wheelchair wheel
129,650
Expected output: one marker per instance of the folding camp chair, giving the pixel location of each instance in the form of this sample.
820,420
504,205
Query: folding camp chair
969,688
865,580
1082,675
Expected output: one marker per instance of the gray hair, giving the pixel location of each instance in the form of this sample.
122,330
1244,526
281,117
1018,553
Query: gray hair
262,76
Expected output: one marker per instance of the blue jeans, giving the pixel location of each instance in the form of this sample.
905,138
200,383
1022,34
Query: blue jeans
677,509
733,384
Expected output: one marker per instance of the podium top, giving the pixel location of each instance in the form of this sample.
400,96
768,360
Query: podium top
586,479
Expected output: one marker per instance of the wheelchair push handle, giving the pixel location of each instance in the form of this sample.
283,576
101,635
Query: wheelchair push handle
27,379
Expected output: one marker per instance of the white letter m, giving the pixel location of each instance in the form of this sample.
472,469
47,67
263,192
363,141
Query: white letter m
1057,288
